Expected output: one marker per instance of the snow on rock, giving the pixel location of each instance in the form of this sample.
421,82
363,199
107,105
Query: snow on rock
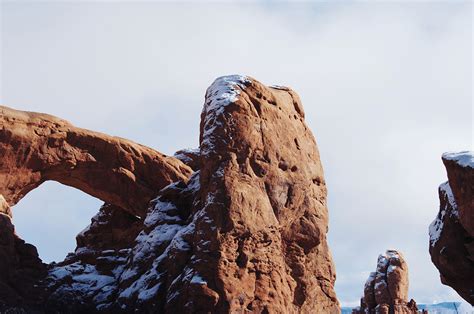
386,289
189,156
133,277
436,227
165,236
452,232
224,91
243,230
464,158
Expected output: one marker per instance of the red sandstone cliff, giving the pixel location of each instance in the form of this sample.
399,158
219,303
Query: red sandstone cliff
245,232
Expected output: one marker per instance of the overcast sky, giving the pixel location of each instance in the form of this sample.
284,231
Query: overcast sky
387,88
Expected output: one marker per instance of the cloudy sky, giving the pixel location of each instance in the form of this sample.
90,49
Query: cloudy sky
387,88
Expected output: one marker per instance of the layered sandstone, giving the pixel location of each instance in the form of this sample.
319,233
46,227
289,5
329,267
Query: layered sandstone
386,289
244,233
452,232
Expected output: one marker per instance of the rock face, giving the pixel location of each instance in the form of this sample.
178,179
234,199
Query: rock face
20,267
244,233
386,289
452,232
39,147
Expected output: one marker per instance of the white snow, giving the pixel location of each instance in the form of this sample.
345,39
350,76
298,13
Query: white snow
198,280
160,213
382,262
464,158
224,91
391,268
165,234
183,154
279,87
94,279
436,227
189,151
86,280
370,280
446,188
194,184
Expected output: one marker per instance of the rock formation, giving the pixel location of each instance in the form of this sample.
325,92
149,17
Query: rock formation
386,289
20,267
39,147
452,232
244,231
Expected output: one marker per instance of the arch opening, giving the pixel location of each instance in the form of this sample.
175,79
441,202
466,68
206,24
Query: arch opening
50,217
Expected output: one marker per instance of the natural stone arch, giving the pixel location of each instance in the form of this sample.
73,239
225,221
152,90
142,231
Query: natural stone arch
37,147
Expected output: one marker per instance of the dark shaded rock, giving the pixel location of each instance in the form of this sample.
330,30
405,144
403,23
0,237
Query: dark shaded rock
20,269
452,232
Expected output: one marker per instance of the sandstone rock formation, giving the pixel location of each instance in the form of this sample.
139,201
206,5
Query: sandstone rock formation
39,147
452,232
244,233
386,289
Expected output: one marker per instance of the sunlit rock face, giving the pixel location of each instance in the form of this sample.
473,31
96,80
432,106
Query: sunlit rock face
244,231
38,147
386,289
452,232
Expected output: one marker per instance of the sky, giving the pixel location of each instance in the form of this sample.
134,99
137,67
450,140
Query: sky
387,88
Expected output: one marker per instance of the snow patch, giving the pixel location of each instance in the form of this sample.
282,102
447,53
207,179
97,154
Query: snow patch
370,280
391,268
464,158
436,227
224,91
198,280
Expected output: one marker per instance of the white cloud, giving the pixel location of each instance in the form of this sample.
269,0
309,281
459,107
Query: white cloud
387,88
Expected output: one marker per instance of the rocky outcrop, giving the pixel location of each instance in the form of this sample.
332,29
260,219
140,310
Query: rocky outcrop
38,147
386,289
20,268
245,233
452,232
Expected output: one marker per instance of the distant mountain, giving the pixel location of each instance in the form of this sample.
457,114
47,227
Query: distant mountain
439,308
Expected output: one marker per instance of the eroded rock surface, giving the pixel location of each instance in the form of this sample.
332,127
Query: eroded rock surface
386,289
38,147
452,232
245,233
